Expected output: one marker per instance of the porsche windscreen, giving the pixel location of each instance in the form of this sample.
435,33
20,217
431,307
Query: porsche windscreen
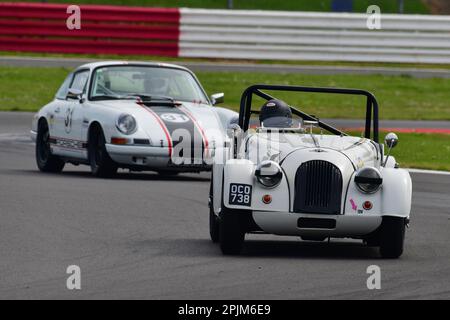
120,82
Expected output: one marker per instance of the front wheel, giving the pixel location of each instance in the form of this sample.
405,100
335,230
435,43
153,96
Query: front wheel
214,224
102,165
232,231
392,237
45,161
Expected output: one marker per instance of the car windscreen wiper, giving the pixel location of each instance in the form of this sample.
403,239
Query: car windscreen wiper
148,97
155,100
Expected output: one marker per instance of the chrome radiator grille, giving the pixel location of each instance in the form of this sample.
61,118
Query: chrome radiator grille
318,188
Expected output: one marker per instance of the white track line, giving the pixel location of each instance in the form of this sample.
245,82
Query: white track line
445,173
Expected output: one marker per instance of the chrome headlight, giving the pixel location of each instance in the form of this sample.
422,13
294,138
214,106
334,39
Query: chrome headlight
368,180
269,174
126,124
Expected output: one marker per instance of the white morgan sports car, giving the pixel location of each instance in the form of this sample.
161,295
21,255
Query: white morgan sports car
134,115
292,174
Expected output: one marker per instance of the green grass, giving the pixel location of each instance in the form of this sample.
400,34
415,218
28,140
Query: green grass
399,97
423,151
420,150
387,6
28,89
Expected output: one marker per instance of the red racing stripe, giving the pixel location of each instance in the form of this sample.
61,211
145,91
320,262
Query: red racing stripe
197,125
163,126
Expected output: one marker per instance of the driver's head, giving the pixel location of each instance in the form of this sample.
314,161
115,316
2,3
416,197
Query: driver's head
275,114
157,86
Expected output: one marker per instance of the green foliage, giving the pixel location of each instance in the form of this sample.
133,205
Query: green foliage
387,6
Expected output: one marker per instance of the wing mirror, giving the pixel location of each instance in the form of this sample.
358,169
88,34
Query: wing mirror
233,132
74,94
391,140
217,98
234,129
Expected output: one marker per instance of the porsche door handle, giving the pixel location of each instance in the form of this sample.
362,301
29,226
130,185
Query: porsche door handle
57,110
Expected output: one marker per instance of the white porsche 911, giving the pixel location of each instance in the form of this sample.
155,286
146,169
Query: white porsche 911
286,176
135,115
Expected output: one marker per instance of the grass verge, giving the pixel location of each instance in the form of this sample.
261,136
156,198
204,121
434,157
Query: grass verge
400,97
423,151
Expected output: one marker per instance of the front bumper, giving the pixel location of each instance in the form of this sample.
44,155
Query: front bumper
149,157
287,223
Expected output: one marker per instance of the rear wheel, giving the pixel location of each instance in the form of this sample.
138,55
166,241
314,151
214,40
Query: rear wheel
232,230
102,165
45,161
392,237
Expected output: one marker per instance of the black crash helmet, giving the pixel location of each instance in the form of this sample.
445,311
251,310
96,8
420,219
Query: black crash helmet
275,114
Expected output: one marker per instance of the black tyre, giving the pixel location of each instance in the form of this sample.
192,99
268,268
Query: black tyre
45,161
392,237
102,165
214,225
232,231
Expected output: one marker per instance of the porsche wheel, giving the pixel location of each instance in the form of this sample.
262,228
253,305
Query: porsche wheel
392,237
231,231
214,225
102,165
45,161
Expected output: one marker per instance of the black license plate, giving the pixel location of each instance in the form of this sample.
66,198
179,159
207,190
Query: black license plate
240,194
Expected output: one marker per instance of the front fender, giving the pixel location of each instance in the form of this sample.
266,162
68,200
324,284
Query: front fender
242,171
396,193
393,199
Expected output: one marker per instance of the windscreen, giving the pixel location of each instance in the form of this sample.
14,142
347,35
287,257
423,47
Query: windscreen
114,81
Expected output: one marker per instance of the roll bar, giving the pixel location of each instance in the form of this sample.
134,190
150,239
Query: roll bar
371,106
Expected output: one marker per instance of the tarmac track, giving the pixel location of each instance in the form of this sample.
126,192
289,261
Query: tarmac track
142,236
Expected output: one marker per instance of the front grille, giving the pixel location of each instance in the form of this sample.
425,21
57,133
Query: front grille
318,188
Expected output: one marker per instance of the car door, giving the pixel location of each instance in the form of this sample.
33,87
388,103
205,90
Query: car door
72,113
56,116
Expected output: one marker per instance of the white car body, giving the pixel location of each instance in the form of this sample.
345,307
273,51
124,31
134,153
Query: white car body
151,147
317,154
347,153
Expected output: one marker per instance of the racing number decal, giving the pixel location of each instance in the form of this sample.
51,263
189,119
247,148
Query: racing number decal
240,194
68,120
174,117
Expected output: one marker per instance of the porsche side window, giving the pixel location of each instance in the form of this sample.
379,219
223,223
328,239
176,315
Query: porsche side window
62,91
80,80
